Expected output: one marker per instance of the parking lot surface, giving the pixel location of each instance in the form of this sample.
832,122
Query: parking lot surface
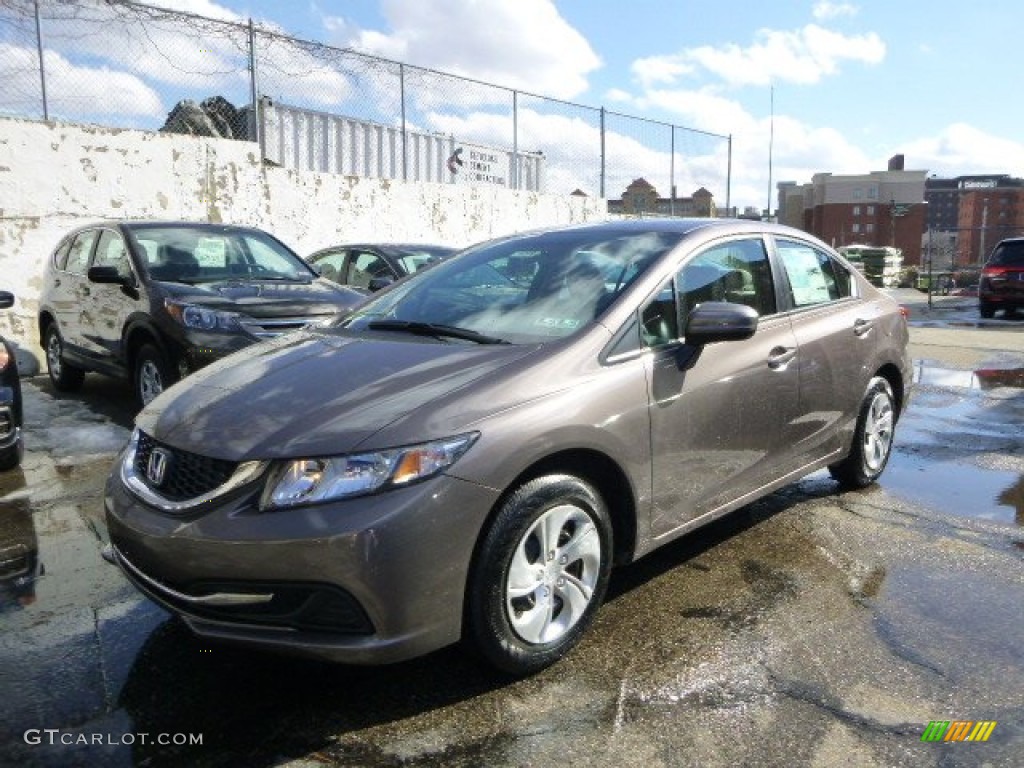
810,628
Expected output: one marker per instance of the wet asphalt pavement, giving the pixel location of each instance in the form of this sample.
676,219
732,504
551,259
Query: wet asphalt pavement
810,628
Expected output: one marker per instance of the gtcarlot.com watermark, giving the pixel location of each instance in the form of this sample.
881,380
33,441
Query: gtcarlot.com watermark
57,737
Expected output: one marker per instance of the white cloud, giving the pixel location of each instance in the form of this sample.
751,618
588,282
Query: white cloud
825,10
802,56
961,149
72,90
522,44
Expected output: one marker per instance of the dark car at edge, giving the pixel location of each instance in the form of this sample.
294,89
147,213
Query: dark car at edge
154,301
11,441
467,454
1002,279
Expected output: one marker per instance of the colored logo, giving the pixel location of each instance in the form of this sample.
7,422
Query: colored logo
958,730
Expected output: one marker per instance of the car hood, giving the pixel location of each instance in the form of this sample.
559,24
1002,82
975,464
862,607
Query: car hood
266,298
315,393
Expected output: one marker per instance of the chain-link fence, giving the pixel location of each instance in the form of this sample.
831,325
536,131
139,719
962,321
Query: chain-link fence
124,64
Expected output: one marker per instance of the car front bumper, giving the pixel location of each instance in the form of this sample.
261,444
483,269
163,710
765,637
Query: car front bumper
369,580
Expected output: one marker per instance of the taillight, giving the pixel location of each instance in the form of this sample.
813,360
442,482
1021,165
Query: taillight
5,358
994,271
905,311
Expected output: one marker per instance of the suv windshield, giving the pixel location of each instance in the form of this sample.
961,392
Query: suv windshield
524,291
1008,254
184,255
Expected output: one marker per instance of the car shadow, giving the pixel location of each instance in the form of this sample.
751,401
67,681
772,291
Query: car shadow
109,397
256,707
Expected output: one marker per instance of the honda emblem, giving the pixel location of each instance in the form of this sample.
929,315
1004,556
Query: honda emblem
156,467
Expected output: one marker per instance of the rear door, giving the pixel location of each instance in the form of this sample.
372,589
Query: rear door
70,294
836,334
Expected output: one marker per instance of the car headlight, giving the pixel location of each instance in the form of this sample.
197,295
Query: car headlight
314,480
202,318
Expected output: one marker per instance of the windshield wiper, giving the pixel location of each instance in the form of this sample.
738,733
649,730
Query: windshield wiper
433,329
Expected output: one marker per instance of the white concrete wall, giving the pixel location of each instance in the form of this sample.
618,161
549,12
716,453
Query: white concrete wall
55,176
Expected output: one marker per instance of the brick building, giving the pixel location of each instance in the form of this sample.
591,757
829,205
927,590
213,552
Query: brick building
971,214
881,208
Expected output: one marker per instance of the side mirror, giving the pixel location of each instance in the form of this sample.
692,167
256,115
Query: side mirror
107,276
720,321
6,299
383,281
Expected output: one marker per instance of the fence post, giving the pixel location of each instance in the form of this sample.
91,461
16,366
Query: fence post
602,153
515,140
42,67
255,123
672,172
728,181
404,137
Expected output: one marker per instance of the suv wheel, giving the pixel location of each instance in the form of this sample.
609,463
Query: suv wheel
872,439
11,457
153,374
540,574
986,309
65,377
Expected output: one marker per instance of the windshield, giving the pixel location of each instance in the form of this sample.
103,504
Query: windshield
201,255
521,290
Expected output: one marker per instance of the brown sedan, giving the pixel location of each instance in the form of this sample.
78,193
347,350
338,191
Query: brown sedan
468,453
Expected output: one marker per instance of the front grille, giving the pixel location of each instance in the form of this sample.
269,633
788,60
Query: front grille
269,327
187,475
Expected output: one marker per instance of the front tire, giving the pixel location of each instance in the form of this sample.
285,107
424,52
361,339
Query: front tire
64,376
987,310
540,574
11,456
153,374
872,439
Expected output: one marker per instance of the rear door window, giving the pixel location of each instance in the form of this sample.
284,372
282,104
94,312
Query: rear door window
813,276
81,250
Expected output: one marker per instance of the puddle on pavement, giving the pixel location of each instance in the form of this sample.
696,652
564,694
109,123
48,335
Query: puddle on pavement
960,447
983,378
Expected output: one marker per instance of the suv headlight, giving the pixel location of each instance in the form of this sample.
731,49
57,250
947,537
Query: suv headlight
315,480
202,318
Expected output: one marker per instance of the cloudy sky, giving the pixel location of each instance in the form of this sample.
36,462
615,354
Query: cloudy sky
801,87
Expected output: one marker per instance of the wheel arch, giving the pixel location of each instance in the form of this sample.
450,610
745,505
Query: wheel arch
599,470
894,376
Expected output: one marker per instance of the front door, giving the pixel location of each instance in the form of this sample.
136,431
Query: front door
112,305
720,414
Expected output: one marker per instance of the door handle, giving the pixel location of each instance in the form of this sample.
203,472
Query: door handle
860,327
779,357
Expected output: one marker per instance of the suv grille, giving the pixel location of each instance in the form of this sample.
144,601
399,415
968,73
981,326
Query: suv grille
187,474
269,327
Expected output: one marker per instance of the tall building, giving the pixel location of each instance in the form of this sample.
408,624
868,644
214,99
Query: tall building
878,208
641,199
968,215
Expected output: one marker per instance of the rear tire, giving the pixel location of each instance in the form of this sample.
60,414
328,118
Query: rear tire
540,574
153,374
872,438
64,376
987,310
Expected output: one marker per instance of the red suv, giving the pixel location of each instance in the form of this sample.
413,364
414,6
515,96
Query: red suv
1002,279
